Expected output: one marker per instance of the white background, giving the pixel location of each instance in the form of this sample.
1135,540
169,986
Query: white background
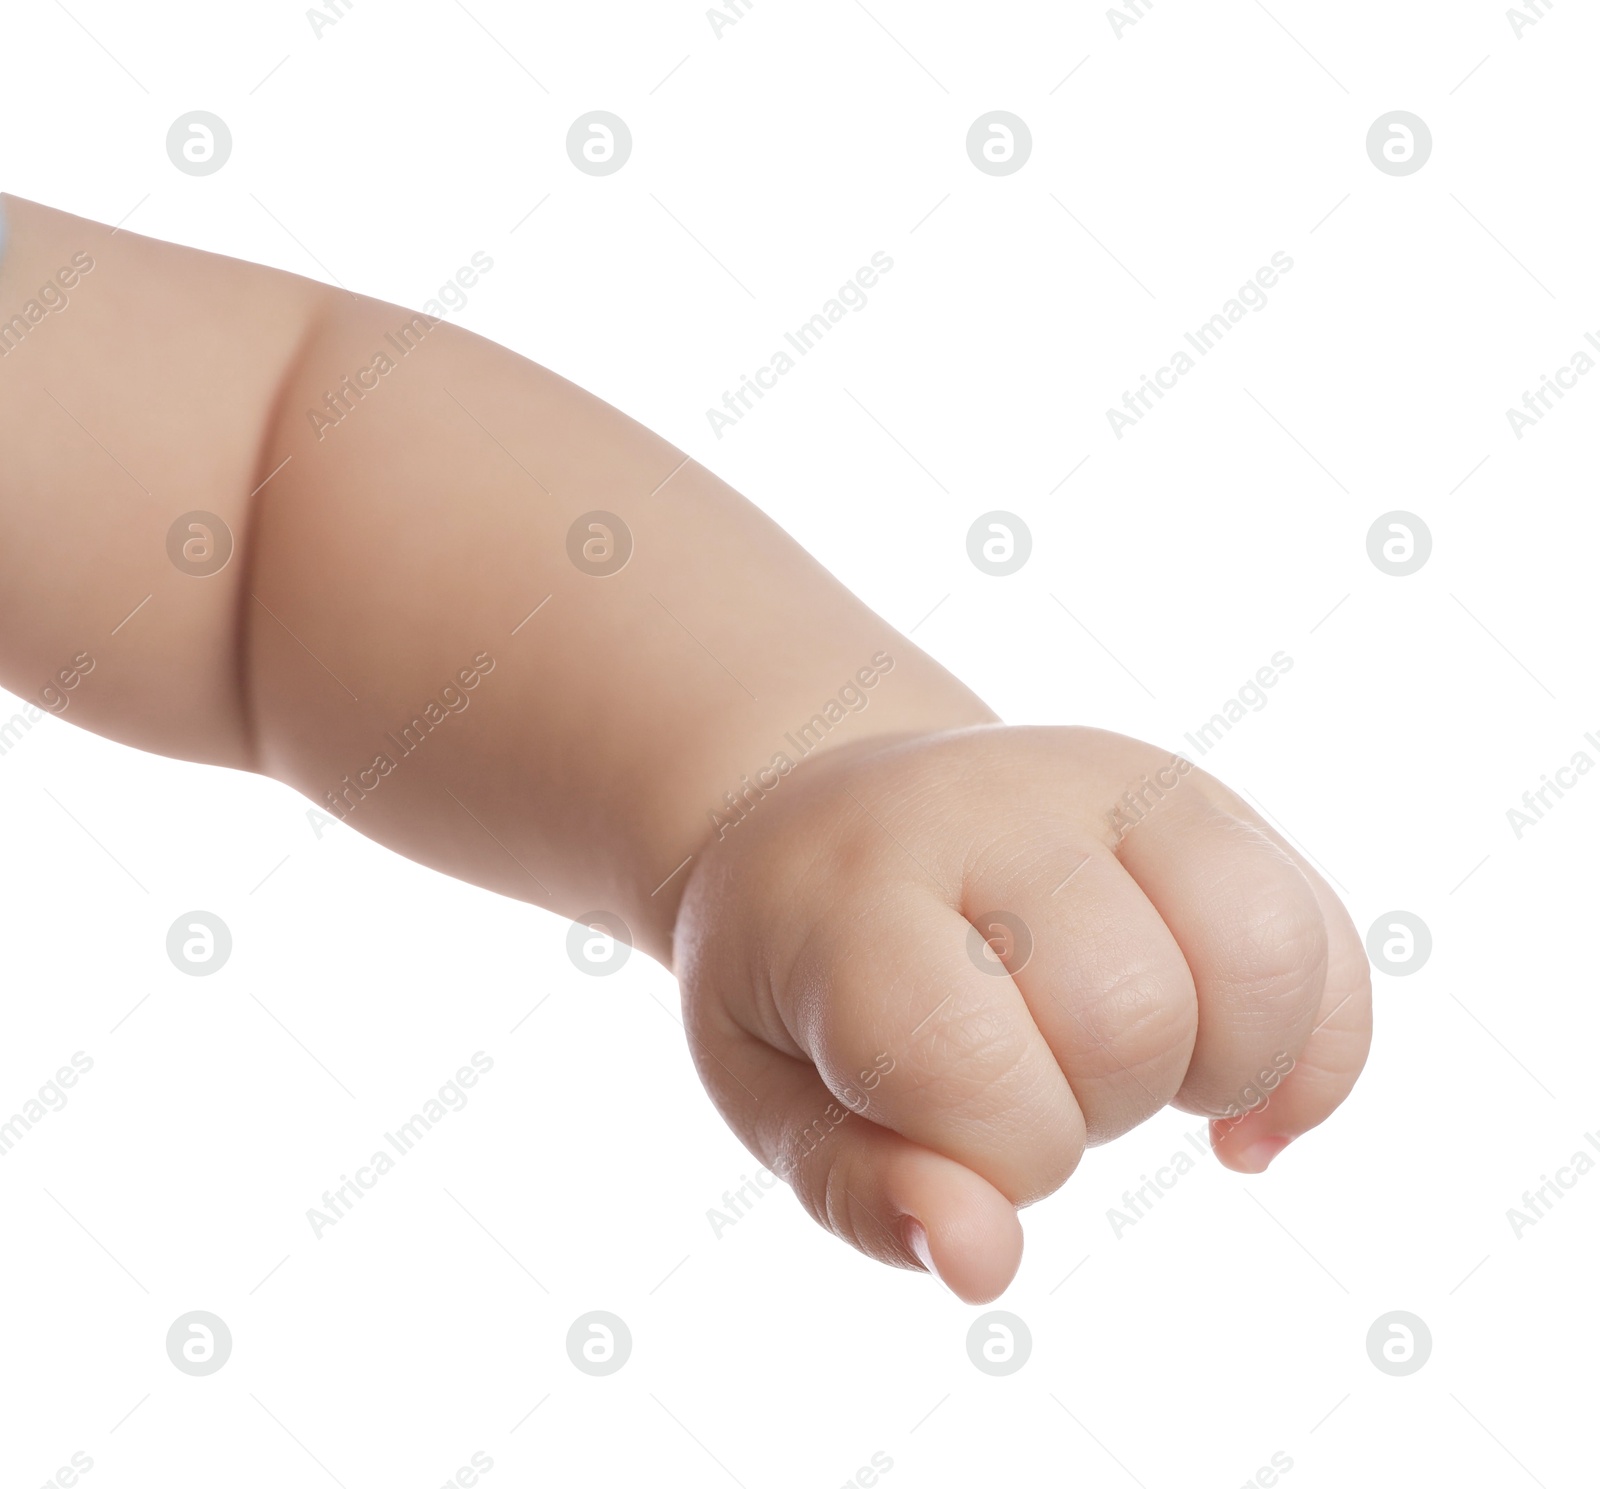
768,165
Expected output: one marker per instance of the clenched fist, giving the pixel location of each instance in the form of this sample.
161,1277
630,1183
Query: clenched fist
929,970
923,972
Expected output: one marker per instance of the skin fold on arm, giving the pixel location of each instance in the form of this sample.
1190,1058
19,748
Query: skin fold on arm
410,527
498,626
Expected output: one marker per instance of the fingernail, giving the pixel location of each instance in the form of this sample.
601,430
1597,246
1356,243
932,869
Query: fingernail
917,1239
1255,1158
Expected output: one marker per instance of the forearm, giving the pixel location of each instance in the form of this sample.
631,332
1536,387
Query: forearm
432,526
401,633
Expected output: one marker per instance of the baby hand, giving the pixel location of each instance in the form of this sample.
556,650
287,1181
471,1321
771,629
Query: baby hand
924,973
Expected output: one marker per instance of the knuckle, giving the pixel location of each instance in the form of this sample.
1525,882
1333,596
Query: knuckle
1277,953
971,1054
1051,1159
981,1073
1144,1018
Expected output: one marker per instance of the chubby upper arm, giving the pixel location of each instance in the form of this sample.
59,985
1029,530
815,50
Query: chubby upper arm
139,382
411,627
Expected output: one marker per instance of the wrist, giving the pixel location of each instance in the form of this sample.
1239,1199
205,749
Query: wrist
717,792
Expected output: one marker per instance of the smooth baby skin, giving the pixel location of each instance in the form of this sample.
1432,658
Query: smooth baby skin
637,747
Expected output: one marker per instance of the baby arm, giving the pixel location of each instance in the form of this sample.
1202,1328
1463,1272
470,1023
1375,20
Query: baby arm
401,530
498,626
